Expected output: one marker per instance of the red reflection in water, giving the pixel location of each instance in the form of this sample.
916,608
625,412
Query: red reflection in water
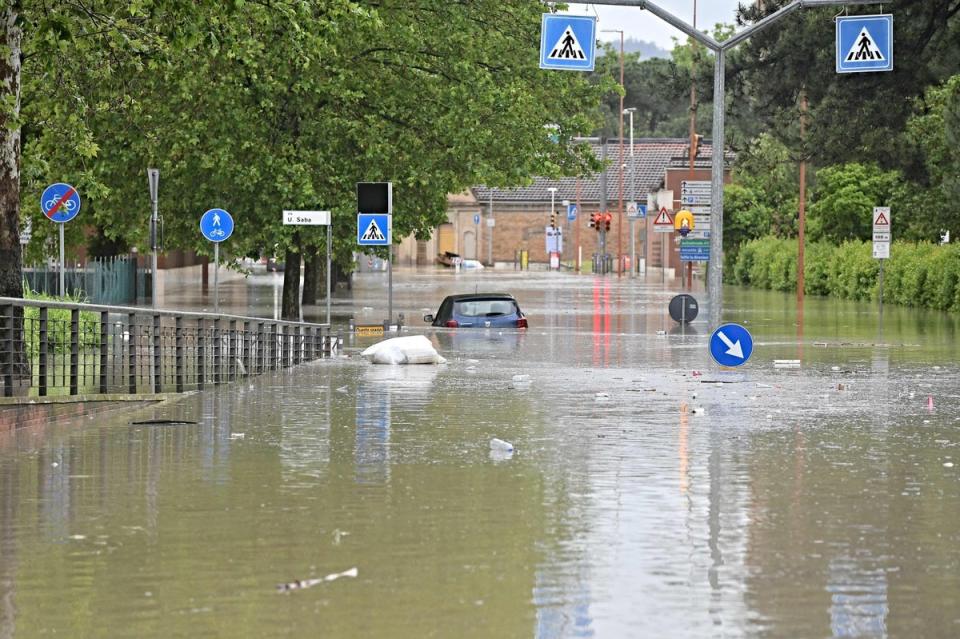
601,322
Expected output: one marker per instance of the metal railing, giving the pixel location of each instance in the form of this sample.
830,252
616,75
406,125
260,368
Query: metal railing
61,348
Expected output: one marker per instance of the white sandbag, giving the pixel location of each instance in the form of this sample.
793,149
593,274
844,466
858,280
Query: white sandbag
414,349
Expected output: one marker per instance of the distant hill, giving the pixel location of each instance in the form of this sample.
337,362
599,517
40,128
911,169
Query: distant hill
646,49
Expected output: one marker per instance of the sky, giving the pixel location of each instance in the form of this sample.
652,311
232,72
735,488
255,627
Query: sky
643,25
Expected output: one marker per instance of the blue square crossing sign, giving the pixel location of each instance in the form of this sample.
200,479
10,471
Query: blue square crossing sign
864,43
374,229
568,42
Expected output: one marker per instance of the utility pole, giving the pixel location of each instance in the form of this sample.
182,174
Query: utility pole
693,128
802,214
153,181
715,268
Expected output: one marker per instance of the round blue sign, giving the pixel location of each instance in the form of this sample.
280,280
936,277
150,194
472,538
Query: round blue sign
731,345
216,225
60,202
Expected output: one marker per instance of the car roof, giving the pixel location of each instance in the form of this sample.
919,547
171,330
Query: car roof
479,296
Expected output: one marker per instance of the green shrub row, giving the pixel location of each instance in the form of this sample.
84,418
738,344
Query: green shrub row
917,274
58,325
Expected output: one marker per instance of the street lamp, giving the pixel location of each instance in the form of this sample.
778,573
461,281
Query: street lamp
620,217
633,196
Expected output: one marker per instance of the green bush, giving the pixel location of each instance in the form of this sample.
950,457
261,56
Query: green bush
58,322
922,275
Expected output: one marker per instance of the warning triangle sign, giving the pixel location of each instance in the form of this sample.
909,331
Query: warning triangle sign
373,233
567,47
864,49
663,218
881,220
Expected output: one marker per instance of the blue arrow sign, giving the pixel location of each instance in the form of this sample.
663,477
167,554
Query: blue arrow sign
731,345
864,43
571,212
568,42
216,225
60,202
374,229
476,218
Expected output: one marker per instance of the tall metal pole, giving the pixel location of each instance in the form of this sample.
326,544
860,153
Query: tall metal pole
490,230
633,199
63,266
802,213
620,217
390,280
693,128
216,277
153,181
715,266
329,293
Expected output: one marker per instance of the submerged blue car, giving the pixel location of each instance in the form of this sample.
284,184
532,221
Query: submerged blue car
479,310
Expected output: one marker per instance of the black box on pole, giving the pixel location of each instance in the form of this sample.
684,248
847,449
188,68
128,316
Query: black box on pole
375,197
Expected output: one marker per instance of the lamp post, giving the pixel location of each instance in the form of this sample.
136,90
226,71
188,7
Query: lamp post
620,136
553,214
633,196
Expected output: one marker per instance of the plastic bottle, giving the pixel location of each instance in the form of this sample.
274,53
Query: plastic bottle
499,444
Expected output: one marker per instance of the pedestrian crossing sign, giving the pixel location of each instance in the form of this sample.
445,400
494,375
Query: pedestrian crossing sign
864,43
568,42
374,229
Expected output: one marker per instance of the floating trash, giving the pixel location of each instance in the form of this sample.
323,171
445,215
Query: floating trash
501,445
237,435
164,422
786,363
302,584
699,410
601,397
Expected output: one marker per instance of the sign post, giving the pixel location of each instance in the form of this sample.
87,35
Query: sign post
881,243
153,182
375,225
60,203
216,225
313,218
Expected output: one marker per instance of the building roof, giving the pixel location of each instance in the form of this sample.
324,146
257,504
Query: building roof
651,157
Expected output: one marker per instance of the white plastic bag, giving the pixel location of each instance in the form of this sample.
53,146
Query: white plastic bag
414,349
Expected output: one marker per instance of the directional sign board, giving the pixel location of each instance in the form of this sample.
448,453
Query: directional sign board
216,225
60,202
695,250
374,229
864,43
568,42
731,345
306,218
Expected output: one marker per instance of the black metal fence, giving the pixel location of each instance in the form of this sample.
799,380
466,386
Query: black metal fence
59,348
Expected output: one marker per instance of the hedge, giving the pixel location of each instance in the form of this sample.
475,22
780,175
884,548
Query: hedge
917,274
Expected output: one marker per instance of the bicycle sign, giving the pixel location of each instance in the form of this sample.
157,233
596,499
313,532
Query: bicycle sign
216,225
60,202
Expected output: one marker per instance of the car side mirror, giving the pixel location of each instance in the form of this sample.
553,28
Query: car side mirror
428,318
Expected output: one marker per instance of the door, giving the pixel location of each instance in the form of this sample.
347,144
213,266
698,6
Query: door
469,245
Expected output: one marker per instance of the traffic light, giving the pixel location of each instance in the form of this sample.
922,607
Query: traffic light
594,223
606,221
553,219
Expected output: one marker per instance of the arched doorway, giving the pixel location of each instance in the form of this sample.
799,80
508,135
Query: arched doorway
469,245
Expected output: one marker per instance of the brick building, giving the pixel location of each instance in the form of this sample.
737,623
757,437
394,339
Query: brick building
652,176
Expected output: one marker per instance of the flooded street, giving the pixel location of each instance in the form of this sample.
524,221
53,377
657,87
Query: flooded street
650,493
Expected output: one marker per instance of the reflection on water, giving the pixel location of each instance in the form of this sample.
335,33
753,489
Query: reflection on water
817,501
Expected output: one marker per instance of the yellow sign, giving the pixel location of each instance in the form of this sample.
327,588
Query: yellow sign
368,329
683,219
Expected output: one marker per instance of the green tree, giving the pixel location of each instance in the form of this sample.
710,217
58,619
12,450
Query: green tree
844,198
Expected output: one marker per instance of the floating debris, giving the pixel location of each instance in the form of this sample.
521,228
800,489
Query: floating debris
164,422
499,444
601,397
302,584
237,435
786,363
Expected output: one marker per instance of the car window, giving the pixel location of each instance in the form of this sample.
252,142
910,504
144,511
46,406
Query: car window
485,308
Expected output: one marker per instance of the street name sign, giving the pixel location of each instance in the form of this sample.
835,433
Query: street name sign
306,218
731,345
568,42
374,229
60,202
864,43
216,225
